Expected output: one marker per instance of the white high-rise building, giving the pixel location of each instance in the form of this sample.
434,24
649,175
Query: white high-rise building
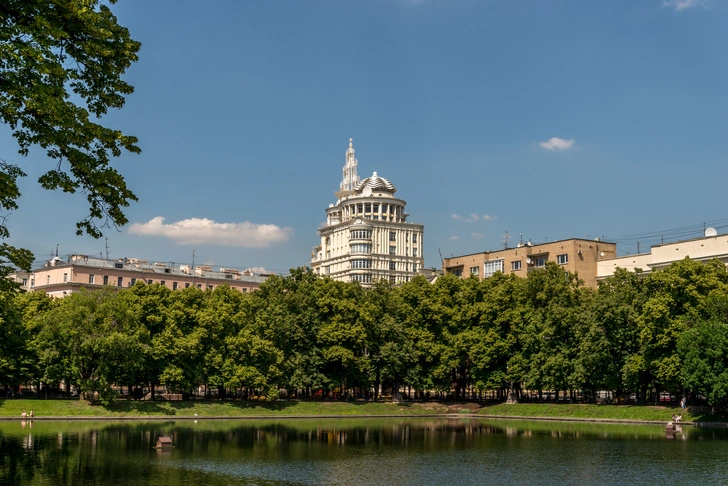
367,237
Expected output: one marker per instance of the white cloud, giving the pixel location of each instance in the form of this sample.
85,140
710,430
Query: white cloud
680,5
474,217
488,217
196,231
456,216
454,237
556,143
477,236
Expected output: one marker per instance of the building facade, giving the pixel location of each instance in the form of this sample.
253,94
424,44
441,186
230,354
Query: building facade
59,278
575,255
366,236
660,256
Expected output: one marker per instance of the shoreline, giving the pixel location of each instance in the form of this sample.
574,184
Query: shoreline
155,418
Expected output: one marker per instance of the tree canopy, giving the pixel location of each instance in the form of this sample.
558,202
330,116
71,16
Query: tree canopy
61,69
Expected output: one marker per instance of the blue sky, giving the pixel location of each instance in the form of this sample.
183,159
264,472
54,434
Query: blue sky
549,119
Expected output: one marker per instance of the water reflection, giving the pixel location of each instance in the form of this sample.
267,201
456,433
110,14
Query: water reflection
406,451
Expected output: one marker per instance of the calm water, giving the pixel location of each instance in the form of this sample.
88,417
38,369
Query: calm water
356,452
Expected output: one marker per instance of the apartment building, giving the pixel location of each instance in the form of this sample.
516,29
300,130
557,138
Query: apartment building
59,277
703,249
574,255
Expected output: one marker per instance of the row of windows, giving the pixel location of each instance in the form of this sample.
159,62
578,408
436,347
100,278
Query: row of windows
361,235
362,278
361,248
367,278
489,268
361,264
393,237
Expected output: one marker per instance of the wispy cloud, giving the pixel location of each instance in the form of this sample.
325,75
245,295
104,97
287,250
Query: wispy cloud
556,143
473,217
196,231
477,236
454,237
680,5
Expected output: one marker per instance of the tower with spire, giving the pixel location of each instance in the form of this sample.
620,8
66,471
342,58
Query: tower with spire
350,177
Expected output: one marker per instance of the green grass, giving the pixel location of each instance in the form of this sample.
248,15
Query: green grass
214,408
612,412
123,408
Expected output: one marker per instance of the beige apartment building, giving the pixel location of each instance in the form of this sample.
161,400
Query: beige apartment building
660,256
576,255
59,278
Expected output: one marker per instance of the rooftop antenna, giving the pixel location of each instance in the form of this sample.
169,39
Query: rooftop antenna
56,249
107,248
506,237
442,260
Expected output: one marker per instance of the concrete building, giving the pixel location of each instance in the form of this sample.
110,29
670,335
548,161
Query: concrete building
660,256
575,255
367,236
59,278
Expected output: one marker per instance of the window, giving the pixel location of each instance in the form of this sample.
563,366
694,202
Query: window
25,282
106,280
357,264
149,282
65,277
120,282
199,286
540,262
174,285
392,236
474,271
489,268
162,282
328,270
458,272
187,285
376,208
361,248
362,278
392,279
384,208
414,252
48,280
133,282
368,208
516,265
562,259
209,287
392,250
245,291
414,237
414,268
392,265
32,283
91,279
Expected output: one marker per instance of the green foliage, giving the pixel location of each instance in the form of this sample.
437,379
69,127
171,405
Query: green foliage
62,63
665,331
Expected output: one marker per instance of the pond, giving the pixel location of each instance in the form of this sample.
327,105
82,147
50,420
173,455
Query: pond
358,451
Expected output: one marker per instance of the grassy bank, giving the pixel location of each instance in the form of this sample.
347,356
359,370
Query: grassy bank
613,412
78,408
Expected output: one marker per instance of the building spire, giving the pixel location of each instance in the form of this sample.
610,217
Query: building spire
351,178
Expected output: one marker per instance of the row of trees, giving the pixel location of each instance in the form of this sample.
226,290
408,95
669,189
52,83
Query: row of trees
663,331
